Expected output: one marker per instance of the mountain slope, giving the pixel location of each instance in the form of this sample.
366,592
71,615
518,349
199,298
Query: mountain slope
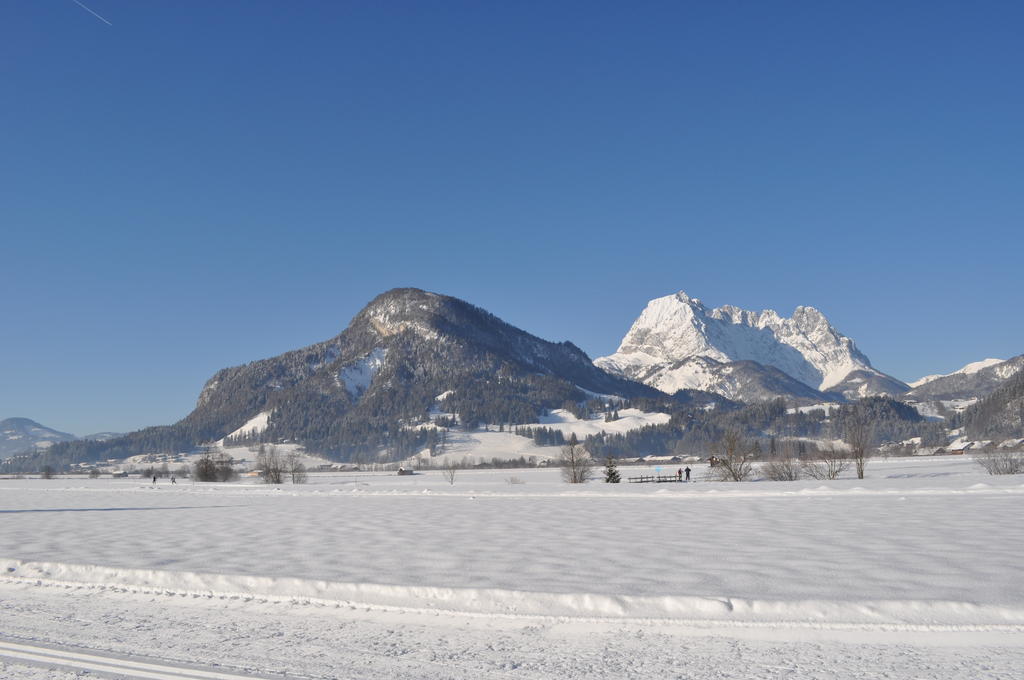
367,387
868,383
972,367
1000,415
677,328
20,435
968,384
735,380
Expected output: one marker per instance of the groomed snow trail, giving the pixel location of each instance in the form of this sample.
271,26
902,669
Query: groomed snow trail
93,661
309,640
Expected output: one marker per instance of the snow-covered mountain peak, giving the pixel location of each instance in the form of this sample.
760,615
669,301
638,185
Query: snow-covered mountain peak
684,298
403,309
809,318
678,327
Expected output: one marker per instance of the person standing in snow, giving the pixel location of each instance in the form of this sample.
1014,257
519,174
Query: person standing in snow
679,474
173,481
687,473
154,479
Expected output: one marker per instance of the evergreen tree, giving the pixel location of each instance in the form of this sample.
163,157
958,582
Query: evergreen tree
611,473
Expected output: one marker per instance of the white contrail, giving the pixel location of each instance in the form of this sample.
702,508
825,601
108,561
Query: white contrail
92,13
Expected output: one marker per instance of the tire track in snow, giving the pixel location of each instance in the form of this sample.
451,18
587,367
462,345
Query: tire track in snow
117,666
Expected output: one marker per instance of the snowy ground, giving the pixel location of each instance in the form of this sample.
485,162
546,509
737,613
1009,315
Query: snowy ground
482,446
911,573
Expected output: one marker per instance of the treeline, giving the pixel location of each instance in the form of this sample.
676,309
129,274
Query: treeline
771,426
542,436
999,415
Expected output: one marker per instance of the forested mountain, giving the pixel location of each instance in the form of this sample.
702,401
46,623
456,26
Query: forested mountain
972,382
407,352
999,415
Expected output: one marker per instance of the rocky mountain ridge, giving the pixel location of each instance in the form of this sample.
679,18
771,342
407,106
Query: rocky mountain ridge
674,330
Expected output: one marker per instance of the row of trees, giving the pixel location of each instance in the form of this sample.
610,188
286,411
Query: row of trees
274,468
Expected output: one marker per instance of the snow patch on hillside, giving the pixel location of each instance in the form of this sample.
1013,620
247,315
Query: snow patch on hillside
826,407
484,446
629,419
934,409
252,427
356,377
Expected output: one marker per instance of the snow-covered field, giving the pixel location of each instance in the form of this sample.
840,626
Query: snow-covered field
914,572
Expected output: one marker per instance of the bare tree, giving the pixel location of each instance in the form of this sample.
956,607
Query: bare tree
735,458
827,465
577,466
205,469
448,470
782,469
295,468
225,468
860,436
1001,462
270,464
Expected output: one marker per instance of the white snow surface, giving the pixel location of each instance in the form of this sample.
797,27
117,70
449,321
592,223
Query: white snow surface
374,575
972,367
675,328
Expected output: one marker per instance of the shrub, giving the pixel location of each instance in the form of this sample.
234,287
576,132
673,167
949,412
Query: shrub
781,470
1001,462
828,464
734,458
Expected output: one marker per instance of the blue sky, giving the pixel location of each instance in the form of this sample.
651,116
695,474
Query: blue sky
202,184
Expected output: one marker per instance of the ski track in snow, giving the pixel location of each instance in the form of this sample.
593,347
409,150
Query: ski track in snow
94,661
259,638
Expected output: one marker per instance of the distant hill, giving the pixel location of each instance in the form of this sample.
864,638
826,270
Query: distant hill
407,353
1000,415
21,435
971,382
